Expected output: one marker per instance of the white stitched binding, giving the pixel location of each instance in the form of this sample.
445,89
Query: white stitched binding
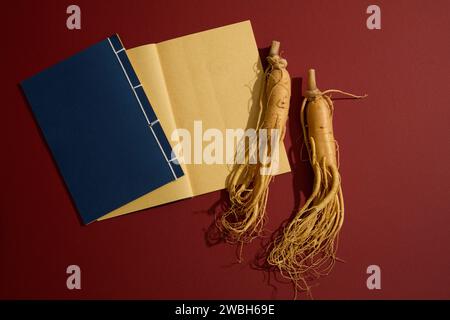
129,81
142,108
154,122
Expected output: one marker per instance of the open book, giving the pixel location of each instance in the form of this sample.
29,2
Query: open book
214,77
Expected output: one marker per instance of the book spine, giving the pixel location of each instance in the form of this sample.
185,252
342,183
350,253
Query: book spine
146,107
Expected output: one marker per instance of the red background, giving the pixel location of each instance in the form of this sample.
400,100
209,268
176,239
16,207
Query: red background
394,155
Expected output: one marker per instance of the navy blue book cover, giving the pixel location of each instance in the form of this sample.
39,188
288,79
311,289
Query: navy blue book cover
101,129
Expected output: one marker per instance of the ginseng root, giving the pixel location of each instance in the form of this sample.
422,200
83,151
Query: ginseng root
248,183
306,250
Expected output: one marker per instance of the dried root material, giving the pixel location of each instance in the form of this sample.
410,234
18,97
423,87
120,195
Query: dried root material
306,250
247,184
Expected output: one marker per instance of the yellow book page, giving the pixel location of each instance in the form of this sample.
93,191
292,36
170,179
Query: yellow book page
216,77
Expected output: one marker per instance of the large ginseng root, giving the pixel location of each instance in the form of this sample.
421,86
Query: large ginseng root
248,182
306,249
